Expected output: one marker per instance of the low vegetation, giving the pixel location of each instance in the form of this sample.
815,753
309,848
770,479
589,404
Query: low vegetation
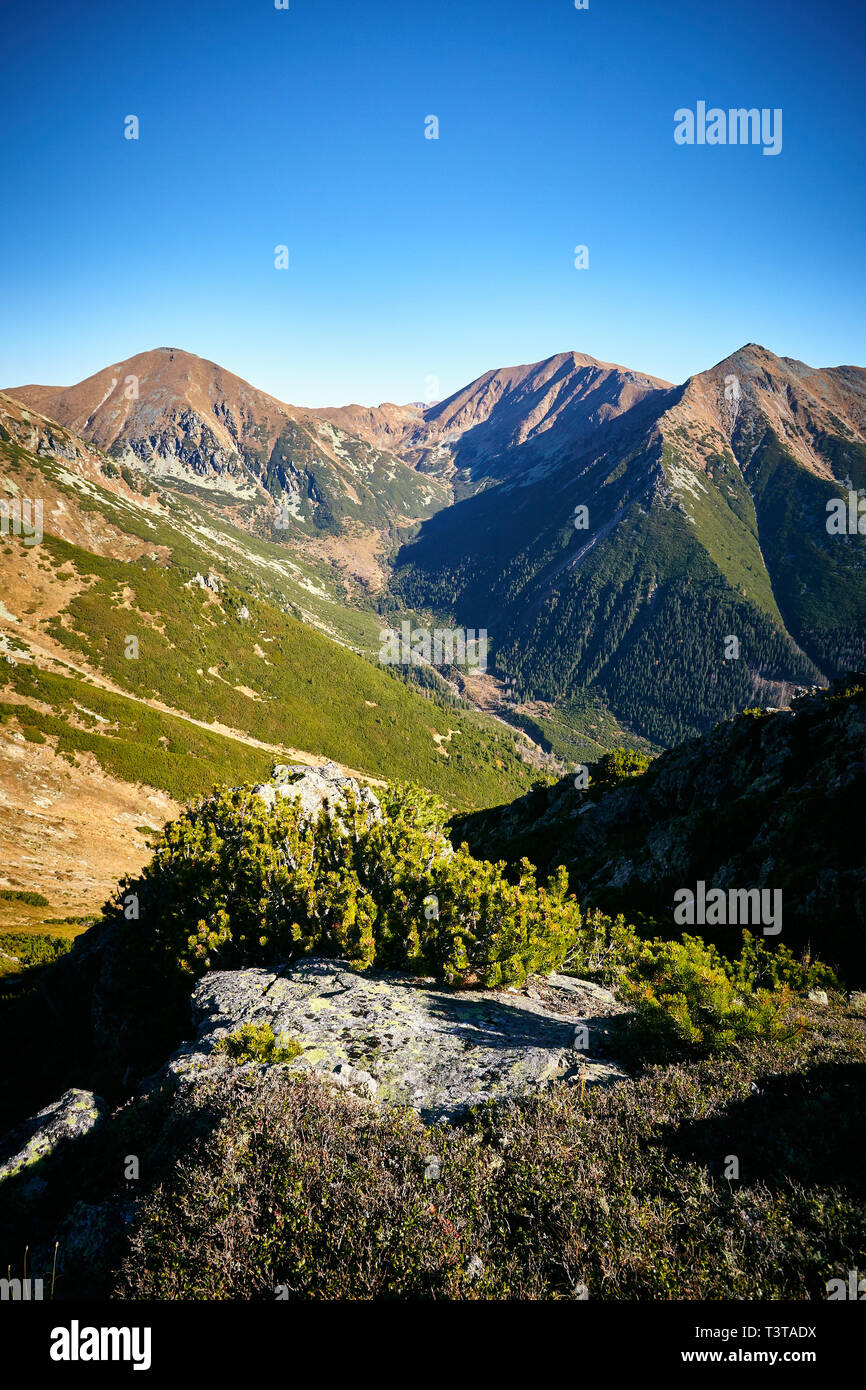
616,767
625,1193
685,1000
232,882
776,801
27,949
198,655
255,1042
728,1166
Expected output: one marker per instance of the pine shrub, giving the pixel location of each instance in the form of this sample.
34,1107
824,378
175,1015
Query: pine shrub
257,1042
233,882
686,1001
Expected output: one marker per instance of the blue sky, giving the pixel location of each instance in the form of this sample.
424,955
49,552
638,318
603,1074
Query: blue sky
414,259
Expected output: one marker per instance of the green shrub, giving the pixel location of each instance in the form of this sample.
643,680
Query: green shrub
758,967
616,767
604,946
233,882
22,895
685,999
255,1042
29,949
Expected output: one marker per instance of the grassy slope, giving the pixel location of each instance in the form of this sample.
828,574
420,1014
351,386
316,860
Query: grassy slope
819,579
579,729
315,695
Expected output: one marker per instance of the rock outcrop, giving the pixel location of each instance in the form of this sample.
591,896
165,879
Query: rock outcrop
407,1042
70,1117
315,787
775,801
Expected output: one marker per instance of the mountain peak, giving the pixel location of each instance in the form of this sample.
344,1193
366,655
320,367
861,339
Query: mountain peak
158,391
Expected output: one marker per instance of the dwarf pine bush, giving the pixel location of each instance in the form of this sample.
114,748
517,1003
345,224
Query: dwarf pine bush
234,882
685,999
756,965
618,766
604,946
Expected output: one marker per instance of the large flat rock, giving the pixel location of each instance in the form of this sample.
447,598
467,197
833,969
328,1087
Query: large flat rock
402,1041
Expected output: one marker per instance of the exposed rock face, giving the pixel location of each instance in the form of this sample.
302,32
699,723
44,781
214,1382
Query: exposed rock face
191,419
773,802
70,1117
209,583
315,787
404,1042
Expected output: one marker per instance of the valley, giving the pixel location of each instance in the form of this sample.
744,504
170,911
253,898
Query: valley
432,680
255,554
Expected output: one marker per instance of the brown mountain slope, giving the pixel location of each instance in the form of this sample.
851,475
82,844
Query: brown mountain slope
754,391
706,515
163,398
385,425
719,486
555,404
182,417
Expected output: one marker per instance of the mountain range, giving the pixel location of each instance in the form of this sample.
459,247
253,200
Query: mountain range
200,592
610,531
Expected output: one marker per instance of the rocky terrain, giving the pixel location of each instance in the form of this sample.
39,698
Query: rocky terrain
70,1117
384,1038
179,417
424,1138
766,799
397,1041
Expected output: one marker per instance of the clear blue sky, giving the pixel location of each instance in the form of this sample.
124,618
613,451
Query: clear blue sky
413,258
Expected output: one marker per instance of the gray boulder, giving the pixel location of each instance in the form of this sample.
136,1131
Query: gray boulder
315,787
73,1115
404,1042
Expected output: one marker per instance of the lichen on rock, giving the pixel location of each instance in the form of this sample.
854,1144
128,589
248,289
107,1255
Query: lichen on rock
72,1116
315,788
406,1042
